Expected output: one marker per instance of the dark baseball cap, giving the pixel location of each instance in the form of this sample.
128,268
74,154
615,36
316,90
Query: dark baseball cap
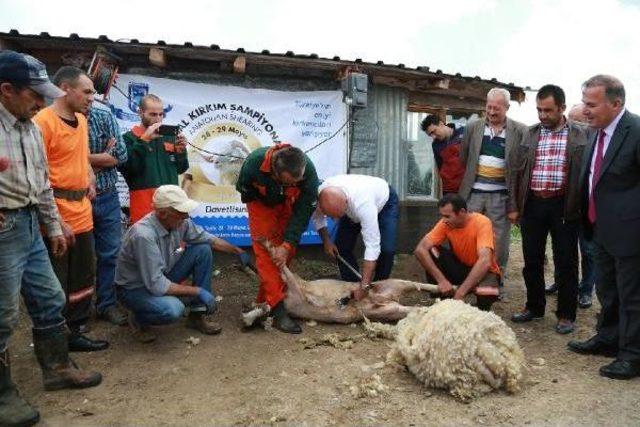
25,70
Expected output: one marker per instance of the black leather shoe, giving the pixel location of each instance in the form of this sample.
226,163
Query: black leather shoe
525,316
584,301
593,346
551,289
621,370
283,322
79,342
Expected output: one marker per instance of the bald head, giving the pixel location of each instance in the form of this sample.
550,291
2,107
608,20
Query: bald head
576,114
332,202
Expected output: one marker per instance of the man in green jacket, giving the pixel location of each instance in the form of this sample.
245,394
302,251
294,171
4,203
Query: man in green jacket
280,186
153,159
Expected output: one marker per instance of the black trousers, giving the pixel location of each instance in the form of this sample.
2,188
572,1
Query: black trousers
455,271
618,289
76,271
542,217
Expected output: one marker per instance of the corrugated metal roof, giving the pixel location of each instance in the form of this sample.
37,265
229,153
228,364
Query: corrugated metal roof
420,71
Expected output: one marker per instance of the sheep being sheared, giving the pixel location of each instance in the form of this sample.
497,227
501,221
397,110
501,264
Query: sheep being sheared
317,299
456,347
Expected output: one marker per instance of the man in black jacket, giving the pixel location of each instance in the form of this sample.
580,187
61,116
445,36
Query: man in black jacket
611,207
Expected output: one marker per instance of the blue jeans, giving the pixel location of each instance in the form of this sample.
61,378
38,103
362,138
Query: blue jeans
588,269
148,309
107,233
347,236
25,268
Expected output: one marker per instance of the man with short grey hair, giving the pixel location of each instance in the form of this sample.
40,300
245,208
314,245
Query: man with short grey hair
486,146
611,208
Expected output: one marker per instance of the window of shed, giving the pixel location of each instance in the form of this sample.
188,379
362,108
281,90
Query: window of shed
422,178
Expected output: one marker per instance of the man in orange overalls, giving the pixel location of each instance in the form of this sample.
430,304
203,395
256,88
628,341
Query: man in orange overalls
280,187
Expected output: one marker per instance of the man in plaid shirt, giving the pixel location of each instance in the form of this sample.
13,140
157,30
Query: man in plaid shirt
107,152
545,191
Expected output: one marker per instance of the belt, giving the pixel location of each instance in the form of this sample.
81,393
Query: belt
16,210
73,195
547,194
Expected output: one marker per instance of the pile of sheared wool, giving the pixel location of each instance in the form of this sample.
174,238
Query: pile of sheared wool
456,347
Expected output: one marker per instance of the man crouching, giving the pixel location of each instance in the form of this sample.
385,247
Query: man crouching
158,253
469,260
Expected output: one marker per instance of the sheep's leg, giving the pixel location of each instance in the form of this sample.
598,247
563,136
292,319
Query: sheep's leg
389,311
393,288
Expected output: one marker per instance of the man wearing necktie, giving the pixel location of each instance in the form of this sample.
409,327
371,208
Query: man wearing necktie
611,216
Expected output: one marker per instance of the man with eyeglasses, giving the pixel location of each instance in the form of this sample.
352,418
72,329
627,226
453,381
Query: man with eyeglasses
152,159
279,184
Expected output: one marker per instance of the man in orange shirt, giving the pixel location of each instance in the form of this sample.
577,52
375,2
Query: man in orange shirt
66,139
471,261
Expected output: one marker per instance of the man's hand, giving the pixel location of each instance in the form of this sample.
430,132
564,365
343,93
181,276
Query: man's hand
68,234
181,141
207,299
513,217
280,256
331,249
245,259
445,288
459,295
110,144
359,293
152,132
58,245
91,191
4,163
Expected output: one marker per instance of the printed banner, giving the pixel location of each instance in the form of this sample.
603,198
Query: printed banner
223,124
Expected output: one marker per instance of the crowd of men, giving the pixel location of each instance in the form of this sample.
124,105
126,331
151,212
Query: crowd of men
61,240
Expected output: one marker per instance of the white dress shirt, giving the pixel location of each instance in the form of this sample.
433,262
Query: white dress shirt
366,196
608,133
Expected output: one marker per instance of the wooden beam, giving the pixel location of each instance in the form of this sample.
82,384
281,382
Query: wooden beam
8,44
420,101
240,64
157,57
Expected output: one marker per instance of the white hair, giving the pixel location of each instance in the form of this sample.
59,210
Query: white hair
498,91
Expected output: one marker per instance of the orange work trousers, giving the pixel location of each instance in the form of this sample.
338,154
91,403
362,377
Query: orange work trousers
269,222
140,204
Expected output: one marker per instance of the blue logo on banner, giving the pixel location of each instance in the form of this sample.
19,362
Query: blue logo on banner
136,92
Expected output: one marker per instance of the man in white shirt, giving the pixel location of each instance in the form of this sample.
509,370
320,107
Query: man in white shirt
367,205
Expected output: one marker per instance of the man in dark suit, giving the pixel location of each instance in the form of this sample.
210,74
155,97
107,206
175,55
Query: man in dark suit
611,209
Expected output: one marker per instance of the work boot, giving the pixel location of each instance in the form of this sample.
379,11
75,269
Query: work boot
114,315
14,410
283,322
143,334
58,370
203,323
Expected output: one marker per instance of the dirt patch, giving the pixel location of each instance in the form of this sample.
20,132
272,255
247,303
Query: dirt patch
266,377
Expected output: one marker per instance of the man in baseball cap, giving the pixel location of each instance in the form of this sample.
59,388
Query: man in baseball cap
158,253
26,71
26,198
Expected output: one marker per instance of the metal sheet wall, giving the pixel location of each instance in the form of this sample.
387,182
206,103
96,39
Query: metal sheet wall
389,114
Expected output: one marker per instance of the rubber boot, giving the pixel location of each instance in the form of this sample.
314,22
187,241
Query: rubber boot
58,370
14,410
283,322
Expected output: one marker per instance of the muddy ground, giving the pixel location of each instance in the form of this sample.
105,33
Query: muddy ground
267,377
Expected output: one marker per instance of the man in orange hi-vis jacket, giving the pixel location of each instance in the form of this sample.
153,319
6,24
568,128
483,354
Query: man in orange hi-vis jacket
279,184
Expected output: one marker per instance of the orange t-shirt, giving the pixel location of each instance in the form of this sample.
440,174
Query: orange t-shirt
67,151
468,240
